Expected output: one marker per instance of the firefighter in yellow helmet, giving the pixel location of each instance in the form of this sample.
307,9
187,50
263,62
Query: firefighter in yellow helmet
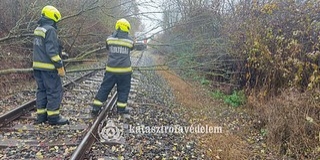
118,69
48,67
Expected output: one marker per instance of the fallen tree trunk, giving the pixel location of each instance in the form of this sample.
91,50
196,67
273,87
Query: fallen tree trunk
78,60
15,70
28,70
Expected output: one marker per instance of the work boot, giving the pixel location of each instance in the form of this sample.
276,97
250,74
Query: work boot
41,118
95,110
123,110
57,120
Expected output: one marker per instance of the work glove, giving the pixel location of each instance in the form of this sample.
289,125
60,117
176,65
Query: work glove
64,55
61,72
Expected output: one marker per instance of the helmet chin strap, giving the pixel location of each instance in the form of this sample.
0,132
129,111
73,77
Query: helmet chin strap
55,25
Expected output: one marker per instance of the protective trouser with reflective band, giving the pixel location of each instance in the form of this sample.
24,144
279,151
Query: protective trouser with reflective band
123,82
49,92
41,110
121,105
97,103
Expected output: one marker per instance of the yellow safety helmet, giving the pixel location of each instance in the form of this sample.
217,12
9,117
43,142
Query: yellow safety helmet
123,25
51,13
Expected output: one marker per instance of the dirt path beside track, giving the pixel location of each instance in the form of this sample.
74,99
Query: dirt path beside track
237,141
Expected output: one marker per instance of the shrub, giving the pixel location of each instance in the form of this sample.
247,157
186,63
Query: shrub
236,99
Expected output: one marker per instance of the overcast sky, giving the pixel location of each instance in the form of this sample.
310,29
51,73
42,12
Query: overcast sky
149,17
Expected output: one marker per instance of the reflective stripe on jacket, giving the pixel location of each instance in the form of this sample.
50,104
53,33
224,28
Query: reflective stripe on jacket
46,46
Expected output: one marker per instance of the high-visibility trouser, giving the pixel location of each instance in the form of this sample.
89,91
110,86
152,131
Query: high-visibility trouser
49,92
123,82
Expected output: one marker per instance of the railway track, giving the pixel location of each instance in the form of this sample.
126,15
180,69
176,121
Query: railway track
20,138
107,136
27,107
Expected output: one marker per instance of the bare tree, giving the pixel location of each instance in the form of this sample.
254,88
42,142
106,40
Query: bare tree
83,29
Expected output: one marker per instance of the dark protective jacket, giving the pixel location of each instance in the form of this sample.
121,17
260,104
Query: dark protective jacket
46,46
119,45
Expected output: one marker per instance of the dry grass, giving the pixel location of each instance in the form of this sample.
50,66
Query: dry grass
199,108
15,57
292,121
14,83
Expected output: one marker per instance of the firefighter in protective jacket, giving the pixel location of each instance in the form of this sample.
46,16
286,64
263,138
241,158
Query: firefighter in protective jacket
48,67
118,69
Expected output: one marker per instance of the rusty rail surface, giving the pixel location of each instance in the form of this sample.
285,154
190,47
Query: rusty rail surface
91,135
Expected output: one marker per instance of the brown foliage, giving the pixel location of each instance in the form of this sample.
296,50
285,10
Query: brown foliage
266,47
292,123
280,44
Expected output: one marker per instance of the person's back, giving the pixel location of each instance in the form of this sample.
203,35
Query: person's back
119,45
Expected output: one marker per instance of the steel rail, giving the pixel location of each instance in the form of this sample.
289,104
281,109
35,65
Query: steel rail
25,108
91,135
89,139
